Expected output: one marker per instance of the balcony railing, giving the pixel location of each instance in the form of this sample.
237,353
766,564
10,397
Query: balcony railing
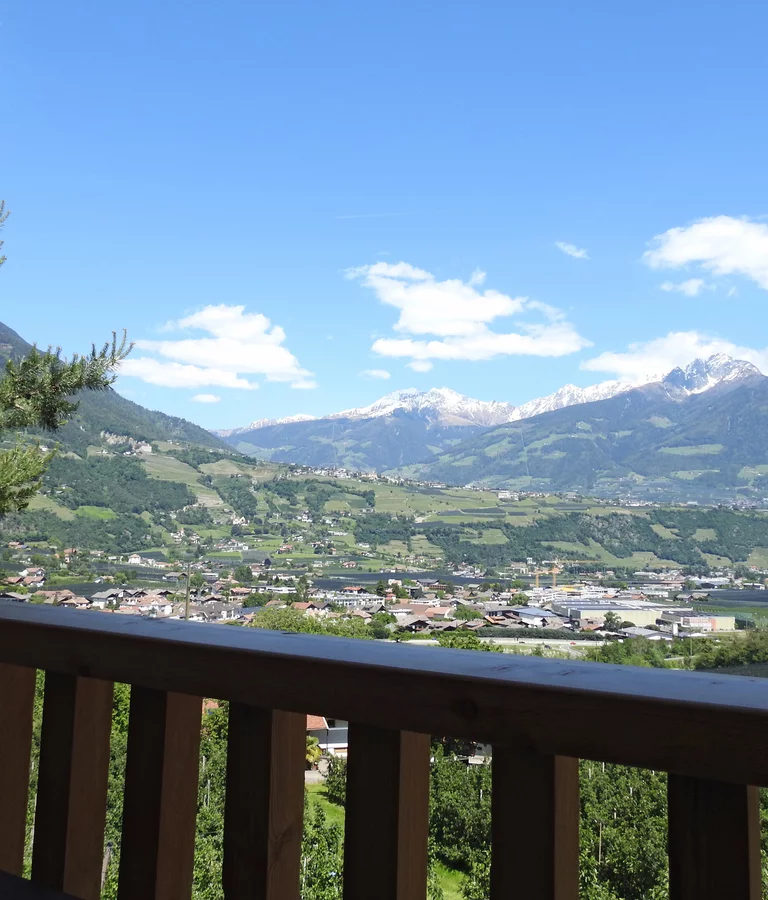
709,732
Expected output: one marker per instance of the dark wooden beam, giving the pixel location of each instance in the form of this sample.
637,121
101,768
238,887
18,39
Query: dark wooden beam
387,815
714,840
160,801
17,691
535,800
682,722
70,813
264,812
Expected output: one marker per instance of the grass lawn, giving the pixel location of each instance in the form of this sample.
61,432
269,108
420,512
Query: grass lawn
450,881
333,812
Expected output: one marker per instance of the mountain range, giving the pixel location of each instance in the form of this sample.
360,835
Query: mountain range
432,434
691,436
697,433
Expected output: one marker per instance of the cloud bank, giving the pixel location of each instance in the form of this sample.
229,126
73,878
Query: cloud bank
722,245
234,346
451,319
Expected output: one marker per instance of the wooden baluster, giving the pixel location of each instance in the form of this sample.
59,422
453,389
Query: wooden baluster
264,810
17,695
714,840
535,800
160,804
70,813
387,815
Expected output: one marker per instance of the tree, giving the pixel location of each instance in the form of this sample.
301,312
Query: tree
336,782
381,587
313,750
34,393
243,574
467,613
465,640
196,581
612,622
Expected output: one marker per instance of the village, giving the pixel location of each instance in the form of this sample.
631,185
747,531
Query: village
658,607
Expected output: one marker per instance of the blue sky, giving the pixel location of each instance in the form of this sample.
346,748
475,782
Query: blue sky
168,163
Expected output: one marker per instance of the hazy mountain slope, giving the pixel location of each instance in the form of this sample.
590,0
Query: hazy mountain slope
383,442
108,411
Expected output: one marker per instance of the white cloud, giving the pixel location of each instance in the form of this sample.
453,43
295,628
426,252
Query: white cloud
176,375
459,315
572,250
304,385
691,288
722,245
206,398
235,344
420,365
655,358
376,373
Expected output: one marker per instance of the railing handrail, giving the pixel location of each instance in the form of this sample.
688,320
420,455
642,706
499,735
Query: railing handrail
705,725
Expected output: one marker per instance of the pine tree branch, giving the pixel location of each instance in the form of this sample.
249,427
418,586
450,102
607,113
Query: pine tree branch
21,472
36,390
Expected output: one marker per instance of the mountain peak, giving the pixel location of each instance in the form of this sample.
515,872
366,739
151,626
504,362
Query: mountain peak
702,374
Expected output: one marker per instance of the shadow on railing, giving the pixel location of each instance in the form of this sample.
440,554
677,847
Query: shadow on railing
709,732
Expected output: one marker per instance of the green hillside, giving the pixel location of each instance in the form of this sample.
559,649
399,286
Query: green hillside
644,443
107,411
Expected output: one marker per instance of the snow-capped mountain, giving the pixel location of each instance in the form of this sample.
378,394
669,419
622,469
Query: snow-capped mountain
703,374
438,405
569,395
262,423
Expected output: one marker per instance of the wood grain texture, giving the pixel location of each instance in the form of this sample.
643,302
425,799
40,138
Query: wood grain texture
683,722
264,810
714,840
160,802
535,800
17,695
387,815
70,813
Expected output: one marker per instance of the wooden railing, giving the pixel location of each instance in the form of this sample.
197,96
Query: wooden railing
541,716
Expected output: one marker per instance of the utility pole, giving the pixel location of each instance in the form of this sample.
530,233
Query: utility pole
186,602
105,863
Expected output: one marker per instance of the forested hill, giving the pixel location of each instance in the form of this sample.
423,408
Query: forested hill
107,411
646,442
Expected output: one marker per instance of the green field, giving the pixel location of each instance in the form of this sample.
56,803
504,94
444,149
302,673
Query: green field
759,557
171,469
48,504
695,450
95,512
